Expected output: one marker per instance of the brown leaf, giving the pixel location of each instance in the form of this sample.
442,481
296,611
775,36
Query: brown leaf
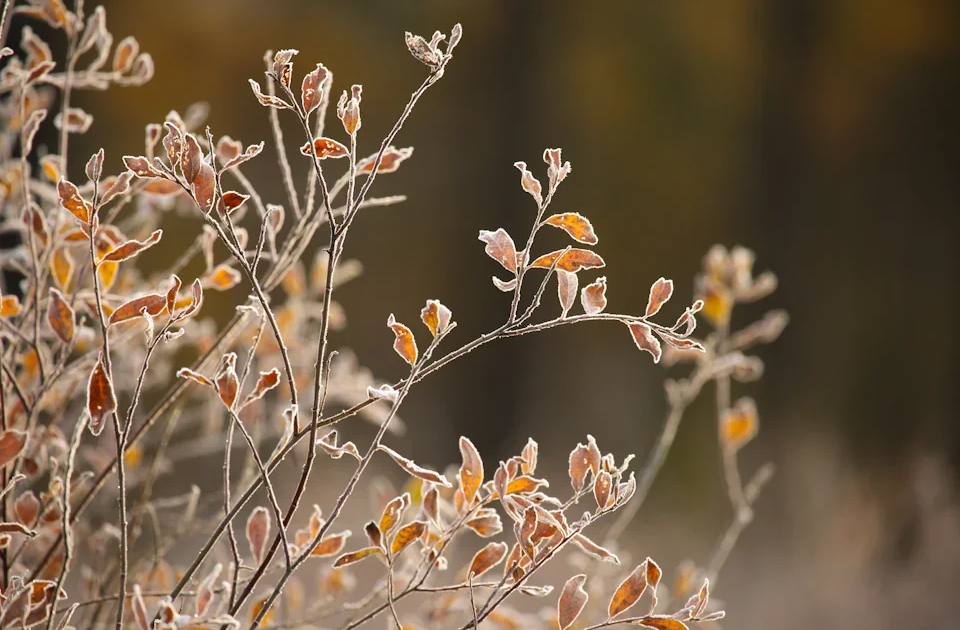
660,292
101,399
233,200
115,186
572,601
71,200
249,153
486,524
196,377
325,148
153,304
329,444
223,278
566,290
501,248
125,54
389,163
266,382
653,574
61,317
331,545
528,528
205,591
27,505
645,340
191,160
593,549
406,535
404,344
471,471
602,487
226,381
629,591
33,218
356,556
583,459
141,166
11,443
204,187
315,83
574,260
258,530
594,296
132,247
76,120
576,225
661,622
172,293
393,513
266,100
528,457
436,316
739,425
94,167
529,183
415,470
487,558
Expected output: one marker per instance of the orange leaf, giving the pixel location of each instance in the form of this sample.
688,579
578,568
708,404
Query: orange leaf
594,296
9,306
132,248
204,188
233,200
393,512
11,443
471,471
356,556
583,459
60,316
645,340
661,622
487,558
266,382
572,600
525,485
312,89
326,148
404,344
629,591
501,248
226,381
601,489
574,260
71,200
739,425
222,278
101,399
389,163
61,266
330,545
436,316
406,535
660,292
576,225
153,304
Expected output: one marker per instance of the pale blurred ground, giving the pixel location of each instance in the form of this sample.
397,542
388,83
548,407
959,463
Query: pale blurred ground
822,134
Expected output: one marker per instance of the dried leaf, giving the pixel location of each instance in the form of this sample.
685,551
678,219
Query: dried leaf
125,55
415,470
501,248
661,622
529,182
384,392
584,459
471,470
139,609
486,524
389,163
329,444
566,290
660,292
525,484
574,260
594,296
331,545
223,278
325,148
118,186
576,225
76,120
10,306
94,167
71,200
196,377
487,558
404,344
61,317
572,601
357,556
593,549
101,399
27,505
602,486
132,247
739,425
266,382
266,100
204,187
406,535
232,200
226,381
653,574
249,153
153,304
436,316
11,443
191,160
205,591
629,591
30,129
393,513
314,84
258,530
645,340
506,287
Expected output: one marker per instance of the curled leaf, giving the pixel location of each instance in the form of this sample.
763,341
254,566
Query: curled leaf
576,225
132,247
152,304
574,260
73,202
471,470
645,340
404,344
436,317
594,296
414,470
357,556
530,183
660,292
12,442
266,382
501,248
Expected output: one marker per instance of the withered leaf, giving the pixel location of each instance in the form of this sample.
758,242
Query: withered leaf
30,129
525,484
566,290
528,457
258,530
486,524
205,592
629,591
222,278
406,535
61,317
331,545
125,54
739,425
101,399
191,160
232,200
27,505
11,443
574,260
436,317
593,549
196,377
653,574
384,392
153,304
94,167
416,471
594,296
204,187
141,166
662,622
501,248
572,601
226,381
116,186
139,609
506,287
576,225
10,305
356,556
325,148
266,100
660,292
602,487
487,558
249,153
471,470
132,247
393,513
71,200
529,183
74,119
584,459
389,163
644,338
172,293
266,382
312,89
329,444
404,343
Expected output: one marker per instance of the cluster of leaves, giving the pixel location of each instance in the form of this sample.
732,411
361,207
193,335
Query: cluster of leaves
91,332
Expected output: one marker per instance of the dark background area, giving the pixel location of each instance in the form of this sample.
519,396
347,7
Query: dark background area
821,134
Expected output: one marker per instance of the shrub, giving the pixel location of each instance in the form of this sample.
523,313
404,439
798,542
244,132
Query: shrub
87,335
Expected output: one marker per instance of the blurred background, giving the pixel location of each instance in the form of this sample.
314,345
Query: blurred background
821,134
